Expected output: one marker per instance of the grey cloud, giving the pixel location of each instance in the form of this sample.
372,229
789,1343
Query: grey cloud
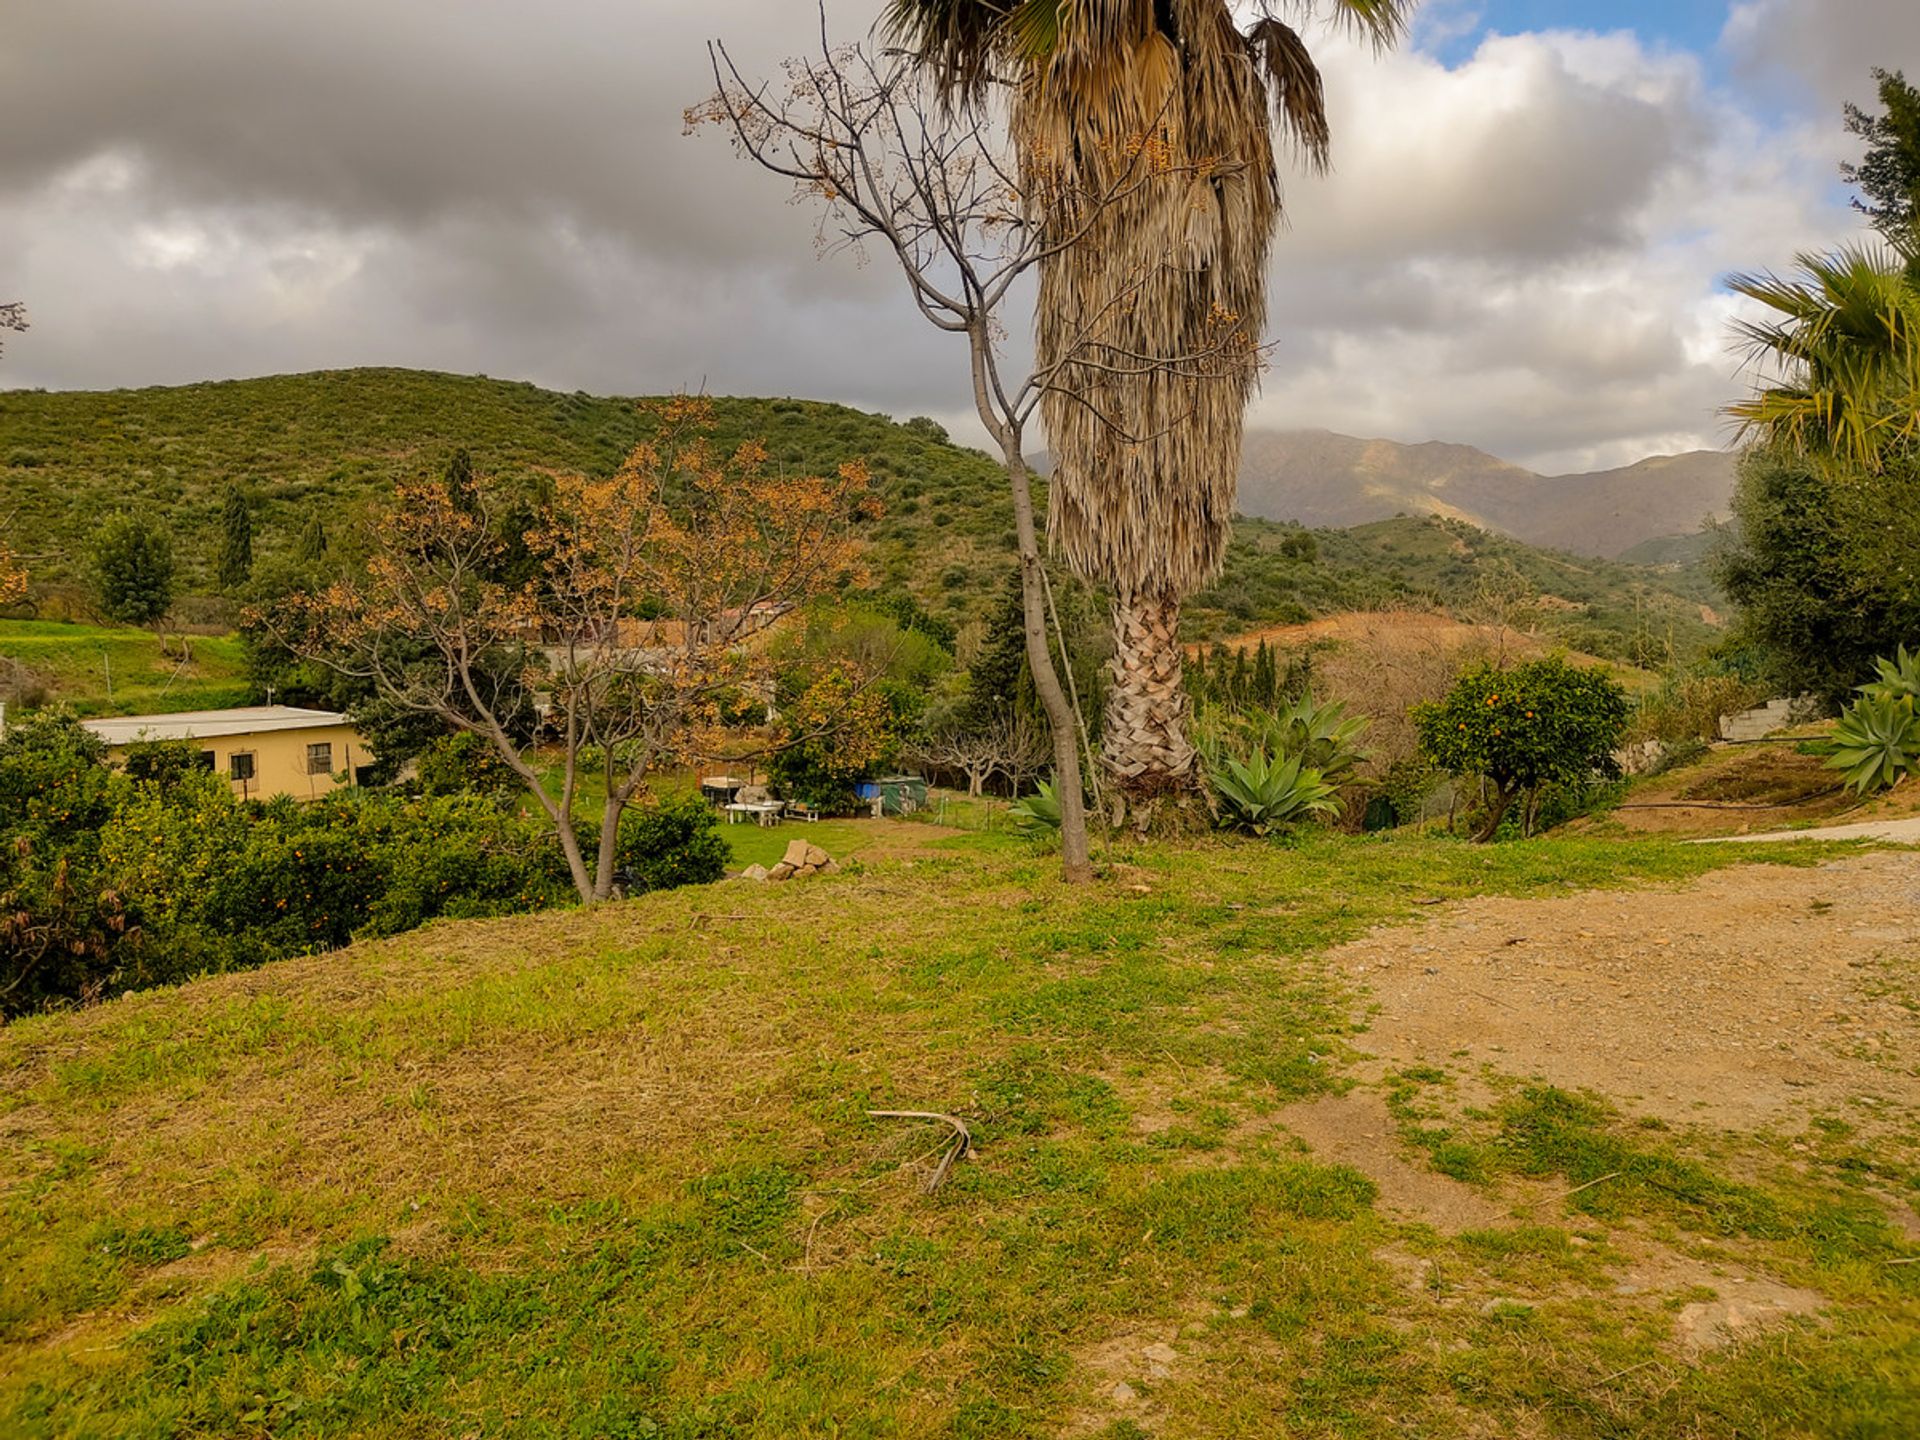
1521,252
1819,52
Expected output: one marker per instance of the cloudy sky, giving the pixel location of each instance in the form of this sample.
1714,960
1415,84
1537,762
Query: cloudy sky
1520,247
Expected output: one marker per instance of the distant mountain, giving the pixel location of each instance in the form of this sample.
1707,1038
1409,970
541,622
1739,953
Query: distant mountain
1320,478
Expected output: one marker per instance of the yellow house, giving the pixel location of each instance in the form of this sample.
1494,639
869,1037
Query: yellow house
264,750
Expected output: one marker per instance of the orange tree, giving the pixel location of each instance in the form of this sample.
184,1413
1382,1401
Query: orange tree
635,615
1541,723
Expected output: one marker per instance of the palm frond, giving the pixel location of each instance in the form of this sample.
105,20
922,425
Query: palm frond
1299,100
1840,352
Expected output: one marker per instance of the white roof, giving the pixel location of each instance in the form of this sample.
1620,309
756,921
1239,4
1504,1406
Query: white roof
210,724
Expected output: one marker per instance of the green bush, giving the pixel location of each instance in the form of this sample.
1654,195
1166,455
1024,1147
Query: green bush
111,882
1542,723
672,842
463,763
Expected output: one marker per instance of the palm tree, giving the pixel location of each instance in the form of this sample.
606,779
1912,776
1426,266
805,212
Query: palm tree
1841,348
1146,458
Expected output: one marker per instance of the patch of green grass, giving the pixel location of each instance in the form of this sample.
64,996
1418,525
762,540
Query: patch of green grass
764,845
612,1173
116,671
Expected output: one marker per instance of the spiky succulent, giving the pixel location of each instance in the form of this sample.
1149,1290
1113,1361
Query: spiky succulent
1877,742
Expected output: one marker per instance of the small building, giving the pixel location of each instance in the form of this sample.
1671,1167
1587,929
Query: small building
893,794
264,750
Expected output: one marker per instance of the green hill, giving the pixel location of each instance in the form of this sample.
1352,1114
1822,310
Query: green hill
334,441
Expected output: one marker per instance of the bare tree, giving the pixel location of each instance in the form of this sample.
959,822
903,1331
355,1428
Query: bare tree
942,190
1010,745
720,543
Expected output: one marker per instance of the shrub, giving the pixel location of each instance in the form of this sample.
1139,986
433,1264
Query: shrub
1264,791
672,842
1542,723
115,881
463,763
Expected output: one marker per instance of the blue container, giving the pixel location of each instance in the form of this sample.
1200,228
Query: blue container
867,789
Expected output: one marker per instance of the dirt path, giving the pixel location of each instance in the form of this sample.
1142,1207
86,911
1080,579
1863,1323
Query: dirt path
1904,831
1752,999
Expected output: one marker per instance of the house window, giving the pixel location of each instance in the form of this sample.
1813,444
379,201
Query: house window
320,759
240,765
204,761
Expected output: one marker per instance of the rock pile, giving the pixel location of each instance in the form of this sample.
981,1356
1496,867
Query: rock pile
800,861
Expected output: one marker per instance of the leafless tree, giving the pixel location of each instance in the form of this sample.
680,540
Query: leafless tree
1010,745
942,190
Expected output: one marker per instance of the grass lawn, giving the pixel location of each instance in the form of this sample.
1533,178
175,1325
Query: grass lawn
611,1173
755,845
114,671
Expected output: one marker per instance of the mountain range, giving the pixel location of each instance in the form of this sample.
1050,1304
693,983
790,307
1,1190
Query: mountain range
1320,478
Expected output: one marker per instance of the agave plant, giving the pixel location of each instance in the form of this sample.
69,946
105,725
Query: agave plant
1897,677
1037,813
1877,742
1322,737
1263,790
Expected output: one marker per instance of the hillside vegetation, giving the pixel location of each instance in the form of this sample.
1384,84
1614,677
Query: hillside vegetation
612,1173
331,442
1607,607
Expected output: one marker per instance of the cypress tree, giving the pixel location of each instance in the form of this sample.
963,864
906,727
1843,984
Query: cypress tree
1266,680
236,546
312,547
459,480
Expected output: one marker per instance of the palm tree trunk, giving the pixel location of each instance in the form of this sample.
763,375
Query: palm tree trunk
1146,746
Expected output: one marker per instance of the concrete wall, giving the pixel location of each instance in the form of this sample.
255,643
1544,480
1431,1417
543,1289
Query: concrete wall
1764,720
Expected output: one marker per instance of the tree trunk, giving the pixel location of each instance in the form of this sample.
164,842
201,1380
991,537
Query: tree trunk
1076,860
1502,801
1145,747
604,861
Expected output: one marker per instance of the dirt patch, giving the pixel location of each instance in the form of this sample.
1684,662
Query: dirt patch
1772,776
1752,998
1356,1129
1120,1373
1747,789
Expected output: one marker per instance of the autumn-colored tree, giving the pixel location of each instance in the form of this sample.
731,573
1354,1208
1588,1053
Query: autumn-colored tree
646,587
13,577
